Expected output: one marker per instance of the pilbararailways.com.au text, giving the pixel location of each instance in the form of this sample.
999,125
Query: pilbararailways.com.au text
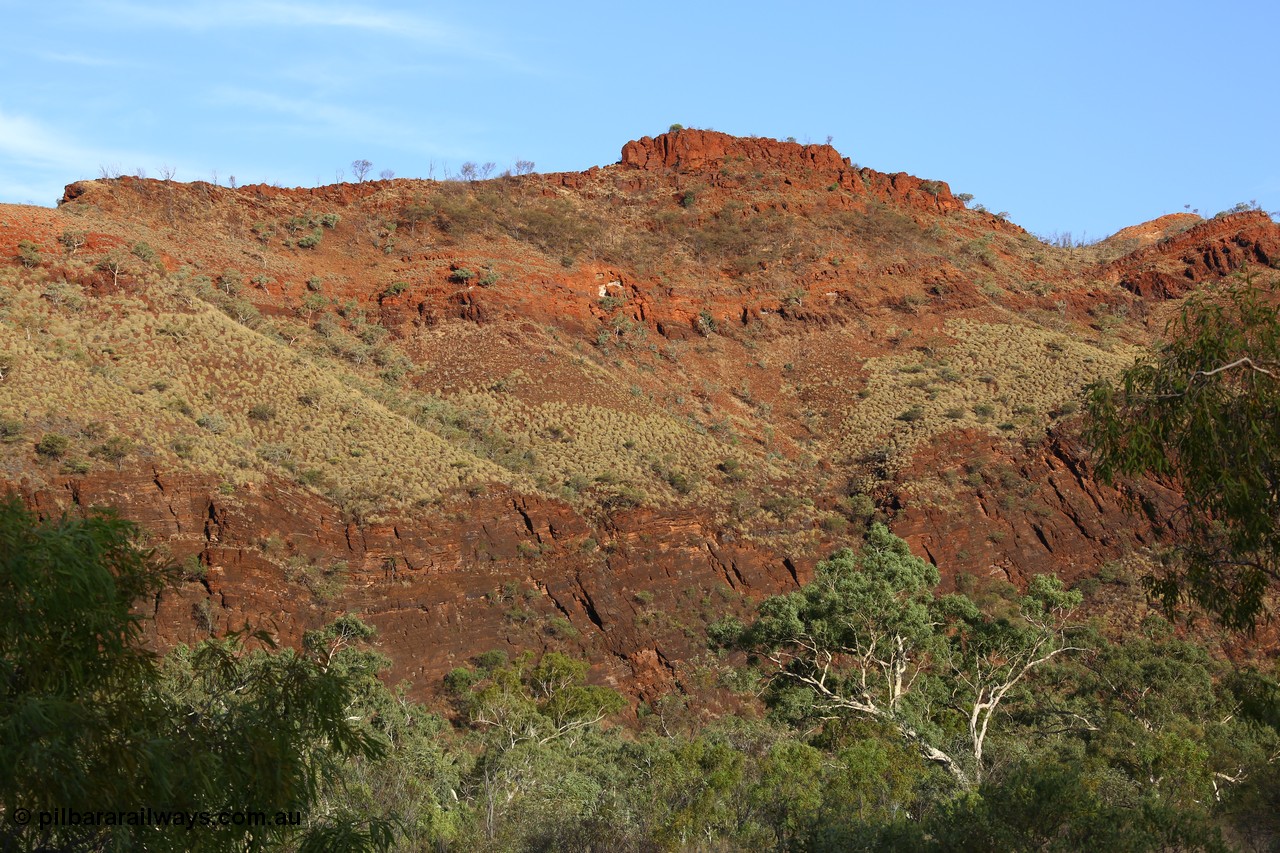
65,817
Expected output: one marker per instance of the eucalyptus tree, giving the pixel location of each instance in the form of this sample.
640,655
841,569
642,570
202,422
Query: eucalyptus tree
868,637
1202,413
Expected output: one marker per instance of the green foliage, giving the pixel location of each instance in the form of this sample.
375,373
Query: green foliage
52,445
89,720
868,638
71,240
1141,746
262,412
541,700
394,289
28,254
114,450
1203,413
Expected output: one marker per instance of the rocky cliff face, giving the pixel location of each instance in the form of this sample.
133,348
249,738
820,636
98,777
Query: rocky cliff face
496,571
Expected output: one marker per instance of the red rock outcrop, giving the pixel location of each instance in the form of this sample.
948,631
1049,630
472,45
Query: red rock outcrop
500,570
698,150
1039,510
701,151
1214,248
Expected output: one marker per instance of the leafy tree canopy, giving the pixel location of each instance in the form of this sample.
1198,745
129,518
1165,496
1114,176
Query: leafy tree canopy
92,721
868,637
1204,412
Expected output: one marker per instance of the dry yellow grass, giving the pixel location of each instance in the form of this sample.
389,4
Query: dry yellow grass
183,384
1003,377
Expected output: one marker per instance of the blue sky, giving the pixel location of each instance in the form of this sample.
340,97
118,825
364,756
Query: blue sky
1080,117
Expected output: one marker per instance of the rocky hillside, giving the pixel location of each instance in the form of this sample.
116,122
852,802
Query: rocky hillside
589,411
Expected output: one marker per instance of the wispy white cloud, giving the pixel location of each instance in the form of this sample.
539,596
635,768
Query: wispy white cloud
237,14
29,142
82,59
35,156
334,120
36,161
419,29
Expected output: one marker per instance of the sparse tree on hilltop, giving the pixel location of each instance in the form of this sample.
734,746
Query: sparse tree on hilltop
360,168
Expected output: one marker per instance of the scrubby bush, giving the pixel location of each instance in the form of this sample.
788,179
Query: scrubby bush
72,240
262,412
213,422
52,445
28,254
113,450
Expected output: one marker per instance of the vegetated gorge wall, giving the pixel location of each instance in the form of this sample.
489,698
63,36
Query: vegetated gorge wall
630,589
632,593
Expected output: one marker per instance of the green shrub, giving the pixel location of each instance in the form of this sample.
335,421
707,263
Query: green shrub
72,240
835,524
192,569
680,481
262,412
213,422
706,324
28,254
113,450
562,628
52,445
310,241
